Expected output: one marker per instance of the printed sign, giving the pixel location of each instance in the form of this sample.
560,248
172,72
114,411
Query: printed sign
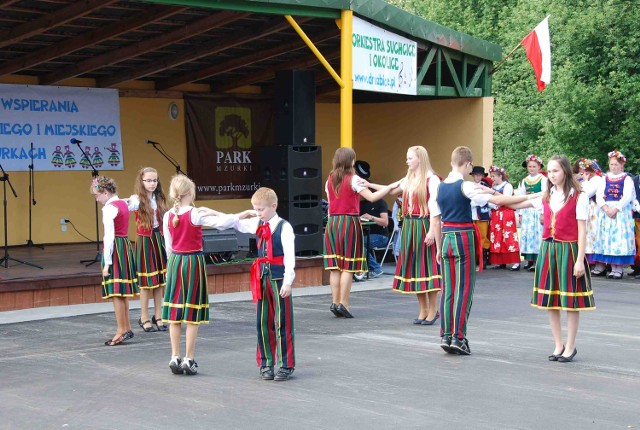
382,61
51,119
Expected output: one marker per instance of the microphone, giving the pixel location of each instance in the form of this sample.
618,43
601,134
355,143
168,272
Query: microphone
74,140
151,142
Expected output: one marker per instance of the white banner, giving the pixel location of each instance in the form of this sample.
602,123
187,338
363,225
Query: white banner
52,118
382,61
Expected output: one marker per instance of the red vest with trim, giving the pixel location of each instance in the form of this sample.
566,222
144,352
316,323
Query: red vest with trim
186,238
415,205
140,230
348,203
561,225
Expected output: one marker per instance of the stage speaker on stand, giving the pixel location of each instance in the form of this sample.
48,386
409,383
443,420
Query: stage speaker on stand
295,174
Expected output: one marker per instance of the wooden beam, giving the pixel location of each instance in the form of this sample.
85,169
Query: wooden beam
75,10
6,3
87,39
135,49
266,74
236,63
273,26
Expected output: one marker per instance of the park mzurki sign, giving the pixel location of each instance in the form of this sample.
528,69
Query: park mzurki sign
382,61
40,123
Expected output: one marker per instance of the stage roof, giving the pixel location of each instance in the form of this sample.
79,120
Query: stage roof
226,44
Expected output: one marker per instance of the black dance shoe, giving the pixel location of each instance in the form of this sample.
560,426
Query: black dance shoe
334,309
445,344
266,373
554,357
460,346
344,311
563,359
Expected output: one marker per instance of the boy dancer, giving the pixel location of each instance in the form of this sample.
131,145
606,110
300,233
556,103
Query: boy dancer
458,247
272,275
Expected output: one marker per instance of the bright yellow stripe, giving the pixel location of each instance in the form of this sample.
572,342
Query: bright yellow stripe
561,293
120,295
186,322
560,308
400,278
124,281
157,272
416,292
190,306
340,257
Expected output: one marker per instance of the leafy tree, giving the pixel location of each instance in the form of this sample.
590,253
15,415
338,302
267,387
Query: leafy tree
592,104
234,127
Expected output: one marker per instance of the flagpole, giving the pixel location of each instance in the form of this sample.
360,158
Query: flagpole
504,59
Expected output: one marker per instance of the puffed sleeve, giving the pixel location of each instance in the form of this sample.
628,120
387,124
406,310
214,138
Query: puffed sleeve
109,213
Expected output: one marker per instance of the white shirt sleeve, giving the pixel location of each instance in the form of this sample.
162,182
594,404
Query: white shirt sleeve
508,189
354,184
220,222
288,246
471,190
590,187
134,202
537,204
109,213
600,192
582,207
628,192
167,234
247,225
432,205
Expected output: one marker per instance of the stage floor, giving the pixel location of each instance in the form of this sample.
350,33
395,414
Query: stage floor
57,261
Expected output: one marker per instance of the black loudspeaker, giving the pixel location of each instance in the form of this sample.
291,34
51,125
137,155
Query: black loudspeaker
295,174
294,99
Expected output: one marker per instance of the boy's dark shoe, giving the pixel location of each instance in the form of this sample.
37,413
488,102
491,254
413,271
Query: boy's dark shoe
266,373
445,343
189,366
284,373
460,346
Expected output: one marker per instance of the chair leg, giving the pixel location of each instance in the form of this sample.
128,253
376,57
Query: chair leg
389,246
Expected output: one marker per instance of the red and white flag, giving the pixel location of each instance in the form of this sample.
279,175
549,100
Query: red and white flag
538,47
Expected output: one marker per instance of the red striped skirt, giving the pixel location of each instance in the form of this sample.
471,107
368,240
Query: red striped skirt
554,285
344,248
186,297
122,280
151,260
417,270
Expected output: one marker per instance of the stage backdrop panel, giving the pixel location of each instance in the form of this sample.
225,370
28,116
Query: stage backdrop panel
48,118
224,135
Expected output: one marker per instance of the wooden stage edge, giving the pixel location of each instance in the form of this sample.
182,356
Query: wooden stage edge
63,280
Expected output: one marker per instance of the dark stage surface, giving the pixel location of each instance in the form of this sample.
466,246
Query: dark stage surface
376,371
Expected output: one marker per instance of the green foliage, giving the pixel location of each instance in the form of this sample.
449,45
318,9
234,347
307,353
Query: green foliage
592,104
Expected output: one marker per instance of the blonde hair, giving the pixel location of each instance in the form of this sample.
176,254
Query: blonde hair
264,195
102,183
343,161
145,212
416,182
180,186
461,155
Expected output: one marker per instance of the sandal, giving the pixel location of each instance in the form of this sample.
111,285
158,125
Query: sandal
112,342
161,327
127,335
147,329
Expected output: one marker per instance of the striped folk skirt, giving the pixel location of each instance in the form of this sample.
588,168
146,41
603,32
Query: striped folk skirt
151,261
122,280
186,297
344,247
554,285
417,269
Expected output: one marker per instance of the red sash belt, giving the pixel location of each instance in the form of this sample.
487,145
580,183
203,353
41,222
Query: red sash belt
256,287
478,241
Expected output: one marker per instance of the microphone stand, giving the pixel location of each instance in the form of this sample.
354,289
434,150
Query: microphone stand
5,180
158,147
94,173
32,197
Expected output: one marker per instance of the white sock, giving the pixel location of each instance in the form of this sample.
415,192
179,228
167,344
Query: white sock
188,358
175,357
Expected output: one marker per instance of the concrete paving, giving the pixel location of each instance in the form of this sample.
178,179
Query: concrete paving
376,371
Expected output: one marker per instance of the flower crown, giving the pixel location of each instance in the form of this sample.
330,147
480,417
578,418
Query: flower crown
497,169
617,154
533,157
587,164
96,184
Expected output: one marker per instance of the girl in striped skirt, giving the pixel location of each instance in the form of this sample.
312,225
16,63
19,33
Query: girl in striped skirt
344,252
562,280
417,269
186,298
149,206
119,280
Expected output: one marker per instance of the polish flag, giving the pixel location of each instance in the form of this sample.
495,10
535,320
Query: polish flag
538,49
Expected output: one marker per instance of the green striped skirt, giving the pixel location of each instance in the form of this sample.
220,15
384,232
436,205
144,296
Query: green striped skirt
344,248
122,280
554,285
186,297
151,260
417,270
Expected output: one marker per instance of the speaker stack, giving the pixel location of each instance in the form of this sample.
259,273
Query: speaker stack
293,168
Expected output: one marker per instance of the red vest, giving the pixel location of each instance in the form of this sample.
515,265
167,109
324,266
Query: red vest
186,238
561,225
415,205
140,230
121,221
348,203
